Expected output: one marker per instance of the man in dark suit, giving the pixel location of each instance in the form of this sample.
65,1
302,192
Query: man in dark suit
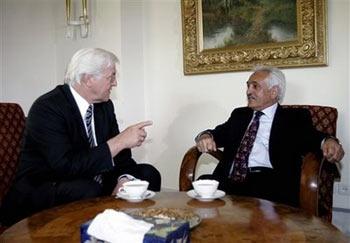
270,168
72,147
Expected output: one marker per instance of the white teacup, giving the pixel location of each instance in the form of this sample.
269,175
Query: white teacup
134,189
205,188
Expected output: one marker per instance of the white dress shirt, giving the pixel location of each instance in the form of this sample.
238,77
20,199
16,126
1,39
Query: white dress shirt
83,105
259,155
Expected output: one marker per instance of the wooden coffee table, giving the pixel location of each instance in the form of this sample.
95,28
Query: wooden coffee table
230,219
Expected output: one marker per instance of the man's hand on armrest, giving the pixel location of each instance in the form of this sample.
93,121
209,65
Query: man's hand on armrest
205,142
332,149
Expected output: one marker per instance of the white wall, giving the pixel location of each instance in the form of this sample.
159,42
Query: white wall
35,50
147,37
2,13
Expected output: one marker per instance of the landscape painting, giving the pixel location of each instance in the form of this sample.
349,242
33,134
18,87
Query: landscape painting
245,22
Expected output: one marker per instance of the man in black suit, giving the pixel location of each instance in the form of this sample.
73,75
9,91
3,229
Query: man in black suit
64,158
273,164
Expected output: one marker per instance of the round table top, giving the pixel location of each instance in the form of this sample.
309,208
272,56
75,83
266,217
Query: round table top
229,219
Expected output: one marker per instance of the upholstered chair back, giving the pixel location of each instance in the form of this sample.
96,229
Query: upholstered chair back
12,121
324,118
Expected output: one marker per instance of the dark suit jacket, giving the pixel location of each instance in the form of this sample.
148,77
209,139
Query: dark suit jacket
292,136
56,147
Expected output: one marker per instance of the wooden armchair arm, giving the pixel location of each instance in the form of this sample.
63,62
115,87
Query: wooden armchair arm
309,183
316,185
188,166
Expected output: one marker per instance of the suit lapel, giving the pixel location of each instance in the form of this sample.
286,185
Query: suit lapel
247,117
276,126
74,110
98,117
239,127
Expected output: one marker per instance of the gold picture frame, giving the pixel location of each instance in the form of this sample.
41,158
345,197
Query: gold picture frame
308,49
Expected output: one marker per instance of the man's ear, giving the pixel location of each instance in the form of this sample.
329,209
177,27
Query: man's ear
86,79
274,92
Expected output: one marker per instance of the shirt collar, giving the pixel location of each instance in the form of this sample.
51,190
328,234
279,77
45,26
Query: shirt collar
81,102
270,111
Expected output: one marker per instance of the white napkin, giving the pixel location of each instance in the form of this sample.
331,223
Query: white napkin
113,226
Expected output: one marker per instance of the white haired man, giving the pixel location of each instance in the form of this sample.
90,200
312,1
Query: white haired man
72,147
264,143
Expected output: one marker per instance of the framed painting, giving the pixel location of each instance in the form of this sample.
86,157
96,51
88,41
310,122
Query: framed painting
235,35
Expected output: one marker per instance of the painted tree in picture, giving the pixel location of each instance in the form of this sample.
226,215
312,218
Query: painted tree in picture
248,22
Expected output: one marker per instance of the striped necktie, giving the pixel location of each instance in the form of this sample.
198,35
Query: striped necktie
88,122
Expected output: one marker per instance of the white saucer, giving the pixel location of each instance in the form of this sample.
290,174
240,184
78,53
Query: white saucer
217,194
147,195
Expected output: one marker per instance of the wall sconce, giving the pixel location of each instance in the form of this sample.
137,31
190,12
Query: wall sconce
83,21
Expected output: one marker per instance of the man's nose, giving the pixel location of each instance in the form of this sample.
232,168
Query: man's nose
248,91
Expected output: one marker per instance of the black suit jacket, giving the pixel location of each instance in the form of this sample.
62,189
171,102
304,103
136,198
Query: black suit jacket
56,147
292,136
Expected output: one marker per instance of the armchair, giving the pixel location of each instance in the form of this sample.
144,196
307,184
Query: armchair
317,175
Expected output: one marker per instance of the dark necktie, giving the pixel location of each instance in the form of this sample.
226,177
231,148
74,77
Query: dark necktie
88,122
239,167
